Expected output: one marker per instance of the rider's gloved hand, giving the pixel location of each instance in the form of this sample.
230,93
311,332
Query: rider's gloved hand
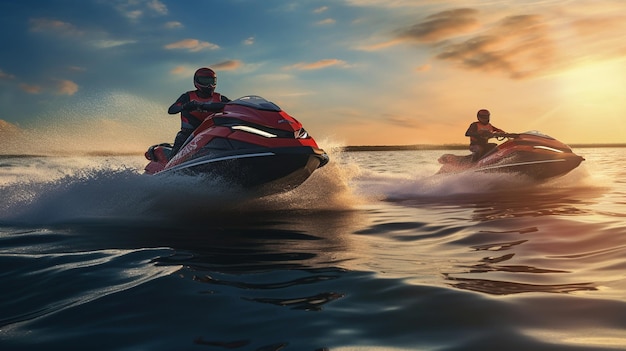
191,105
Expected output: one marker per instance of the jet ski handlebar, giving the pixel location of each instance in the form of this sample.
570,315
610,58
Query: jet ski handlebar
202,106
211,106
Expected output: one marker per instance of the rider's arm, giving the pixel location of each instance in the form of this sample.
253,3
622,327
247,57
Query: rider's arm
497,130
178,105
472,131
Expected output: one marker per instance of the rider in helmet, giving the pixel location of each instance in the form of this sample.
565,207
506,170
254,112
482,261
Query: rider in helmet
189,105
479,133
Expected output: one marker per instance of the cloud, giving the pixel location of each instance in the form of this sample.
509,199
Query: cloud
173,25
157,6
134,14
135,9
599,37
325,22
318,64
401,121
192,45
518,46
109,43
31,89
249,41
442,25
434,28
181,71
76,68
380,45
58,87
47,25
423,68
66,87
390,3
592,26
228,65
6,76
68,31
321,9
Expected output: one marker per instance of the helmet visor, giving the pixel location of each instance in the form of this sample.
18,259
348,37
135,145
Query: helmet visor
207,81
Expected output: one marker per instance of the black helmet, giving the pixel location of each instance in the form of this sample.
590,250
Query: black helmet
483,116
205,80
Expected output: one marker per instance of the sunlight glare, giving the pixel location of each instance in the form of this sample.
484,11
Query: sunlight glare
598,85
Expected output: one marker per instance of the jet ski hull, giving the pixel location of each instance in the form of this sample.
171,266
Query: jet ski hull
530,154
263,170
535,167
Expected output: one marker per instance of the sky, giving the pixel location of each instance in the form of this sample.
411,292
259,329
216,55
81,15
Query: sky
102,73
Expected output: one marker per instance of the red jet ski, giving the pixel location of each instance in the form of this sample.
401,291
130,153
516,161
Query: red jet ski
532,154
250,143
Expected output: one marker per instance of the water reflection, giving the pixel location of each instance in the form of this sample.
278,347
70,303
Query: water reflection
495,287
268,286
232,242
528,201
307,303
536,278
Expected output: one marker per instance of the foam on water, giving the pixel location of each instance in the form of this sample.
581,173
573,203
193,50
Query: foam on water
425,185
65,189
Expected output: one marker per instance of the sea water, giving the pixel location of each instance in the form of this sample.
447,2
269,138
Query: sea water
374,252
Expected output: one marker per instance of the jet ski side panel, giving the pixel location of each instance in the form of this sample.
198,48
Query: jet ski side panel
262,170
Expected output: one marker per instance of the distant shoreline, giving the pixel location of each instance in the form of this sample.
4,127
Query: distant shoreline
451,147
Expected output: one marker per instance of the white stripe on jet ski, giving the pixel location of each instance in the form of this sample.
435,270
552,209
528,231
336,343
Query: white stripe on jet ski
519,164
202,162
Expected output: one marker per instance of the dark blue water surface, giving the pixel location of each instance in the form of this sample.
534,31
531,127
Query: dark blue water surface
372,253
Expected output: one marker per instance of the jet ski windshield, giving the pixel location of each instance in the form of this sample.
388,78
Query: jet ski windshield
539,134
256,102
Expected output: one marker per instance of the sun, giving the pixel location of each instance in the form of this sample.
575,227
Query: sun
599,85
592,98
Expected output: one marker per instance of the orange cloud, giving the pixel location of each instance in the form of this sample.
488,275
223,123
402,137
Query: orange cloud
192,45
31,89
382,45
66,87
317,65
519,46
229,65
436,27
180,70
402,121
599,25
423,68
442,25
